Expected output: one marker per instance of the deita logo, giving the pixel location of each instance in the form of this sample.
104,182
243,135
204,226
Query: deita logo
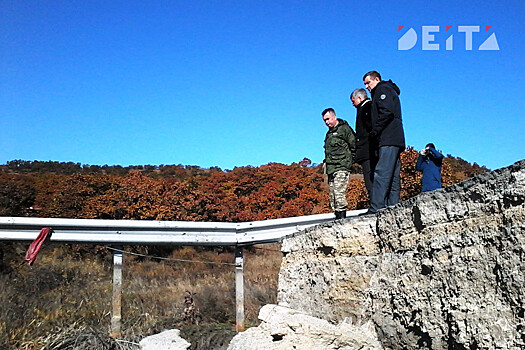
428,38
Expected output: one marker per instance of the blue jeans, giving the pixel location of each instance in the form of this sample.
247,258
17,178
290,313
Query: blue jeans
386,188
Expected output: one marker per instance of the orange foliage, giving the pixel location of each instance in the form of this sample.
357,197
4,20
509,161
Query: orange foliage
193,194
410,177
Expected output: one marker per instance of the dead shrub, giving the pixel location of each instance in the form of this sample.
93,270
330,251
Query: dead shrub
62,289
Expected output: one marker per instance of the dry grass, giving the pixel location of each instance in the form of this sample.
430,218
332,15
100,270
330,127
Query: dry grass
81,337
66,294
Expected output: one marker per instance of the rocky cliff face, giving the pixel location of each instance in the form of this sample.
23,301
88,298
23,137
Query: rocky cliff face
444,270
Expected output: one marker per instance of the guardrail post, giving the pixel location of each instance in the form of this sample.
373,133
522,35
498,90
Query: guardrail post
239,289
116,315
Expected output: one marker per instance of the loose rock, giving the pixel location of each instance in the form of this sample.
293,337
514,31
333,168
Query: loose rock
167,340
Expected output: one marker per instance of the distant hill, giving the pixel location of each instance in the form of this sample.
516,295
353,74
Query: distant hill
179,192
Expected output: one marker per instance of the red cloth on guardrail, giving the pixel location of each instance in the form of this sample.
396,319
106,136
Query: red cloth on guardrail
34,247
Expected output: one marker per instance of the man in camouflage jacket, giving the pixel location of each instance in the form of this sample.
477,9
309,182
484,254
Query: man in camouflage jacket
339,148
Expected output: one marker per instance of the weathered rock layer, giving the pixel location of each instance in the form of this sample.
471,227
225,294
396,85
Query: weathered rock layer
441,270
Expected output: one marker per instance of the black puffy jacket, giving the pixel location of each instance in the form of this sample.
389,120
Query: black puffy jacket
387,125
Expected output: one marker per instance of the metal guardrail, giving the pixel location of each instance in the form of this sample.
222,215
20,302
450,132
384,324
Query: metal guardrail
121,232
159,232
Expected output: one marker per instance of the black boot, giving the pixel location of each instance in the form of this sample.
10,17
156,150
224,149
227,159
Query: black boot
340,215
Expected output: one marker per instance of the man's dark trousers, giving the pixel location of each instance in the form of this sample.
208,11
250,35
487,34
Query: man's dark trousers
386,188
368,175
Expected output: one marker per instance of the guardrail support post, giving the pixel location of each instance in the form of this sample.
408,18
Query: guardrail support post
239,289
116,315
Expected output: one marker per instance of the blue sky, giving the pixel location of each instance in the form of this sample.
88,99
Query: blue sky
235,83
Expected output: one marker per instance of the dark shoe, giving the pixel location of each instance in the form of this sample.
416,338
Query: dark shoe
368,212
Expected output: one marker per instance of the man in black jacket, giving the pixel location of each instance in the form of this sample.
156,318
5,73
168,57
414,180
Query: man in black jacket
364,155
388,136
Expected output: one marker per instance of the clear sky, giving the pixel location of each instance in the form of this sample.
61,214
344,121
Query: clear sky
235,83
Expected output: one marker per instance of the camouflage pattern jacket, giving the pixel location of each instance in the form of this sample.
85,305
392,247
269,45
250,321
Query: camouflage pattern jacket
339,147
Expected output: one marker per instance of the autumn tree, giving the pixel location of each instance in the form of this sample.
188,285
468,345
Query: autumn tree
66,196
17,195
191,193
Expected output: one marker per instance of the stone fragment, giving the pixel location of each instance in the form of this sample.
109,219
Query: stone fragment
167,340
